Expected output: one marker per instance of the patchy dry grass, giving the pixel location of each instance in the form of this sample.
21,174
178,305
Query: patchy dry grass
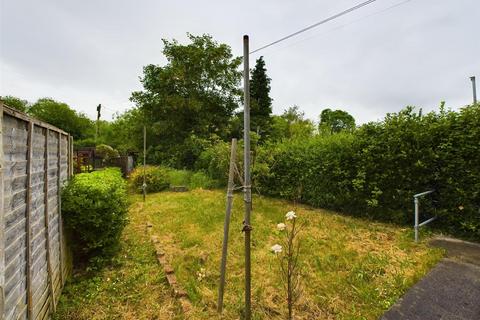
353,268
132,288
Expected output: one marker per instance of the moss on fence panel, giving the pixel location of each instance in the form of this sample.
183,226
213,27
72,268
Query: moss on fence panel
94,206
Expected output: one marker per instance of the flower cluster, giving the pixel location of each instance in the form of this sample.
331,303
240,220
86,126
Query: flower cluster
281,226
288,257
276,248
201,274
291,215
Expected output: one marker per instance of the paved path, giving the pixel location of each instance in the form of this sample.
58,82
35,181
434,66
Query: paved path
451,290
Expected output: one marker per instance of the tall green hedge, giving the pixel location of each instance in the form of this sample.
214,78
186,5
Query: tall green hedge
375,170
94,207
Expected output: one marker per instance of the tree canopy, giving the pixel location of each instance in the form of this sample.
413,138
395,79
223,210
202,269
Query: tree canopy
335,121
193,94
291,124
62,116
16,103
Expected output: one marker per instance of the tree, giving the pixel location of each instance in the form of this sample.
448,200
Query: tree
291,124
293,114
62,116
334,121
125,133
193,94
105,135
260,101
16,103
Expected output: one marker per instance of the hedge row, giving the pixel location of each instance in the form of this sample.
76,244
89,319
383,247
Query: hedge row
94,207
376,170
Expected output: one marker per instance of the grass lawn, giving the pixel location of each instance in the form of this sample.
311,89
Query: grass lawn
352,268
132,288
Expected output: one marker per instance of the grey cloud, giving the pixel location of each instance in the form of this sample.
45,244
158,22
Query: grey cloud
369,63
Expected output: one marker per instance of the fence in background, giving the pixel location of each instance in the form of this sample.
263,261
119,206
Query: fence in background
125,163
85,160
35,161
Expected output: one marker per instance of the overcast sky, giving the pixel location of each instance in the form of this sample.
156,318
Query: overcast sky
378,59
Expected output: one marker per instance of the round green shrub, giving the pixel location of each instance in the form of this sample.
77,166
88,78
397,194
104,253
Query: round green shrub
106,152
156,179
94,208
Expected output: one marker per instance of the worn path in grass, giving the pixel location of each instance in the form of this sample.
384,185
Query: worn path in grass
450,291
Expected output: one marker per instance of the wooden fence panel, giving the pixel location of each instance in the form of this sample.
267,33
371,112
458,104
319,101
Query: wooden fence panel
37,228
15,136
34,258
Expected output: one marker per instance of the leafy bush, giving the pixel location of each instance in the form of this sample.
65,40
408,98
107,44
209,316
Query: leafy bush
84,143
94,207
161,178
376,170
318,171
156,179
106,152
373,171
215,161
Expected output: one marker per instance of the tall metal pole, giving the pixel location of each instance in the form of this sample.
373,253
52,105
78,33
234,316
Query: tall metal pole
247,187
474,87
417,212
144,185
226,226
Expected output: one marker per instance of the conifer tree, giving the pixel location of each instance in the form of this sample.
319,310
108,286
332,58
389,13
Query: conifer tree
261,103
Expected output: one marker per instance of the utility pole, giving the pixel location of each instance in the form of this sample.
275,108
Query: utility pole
99,108
144,185
247,187
474,87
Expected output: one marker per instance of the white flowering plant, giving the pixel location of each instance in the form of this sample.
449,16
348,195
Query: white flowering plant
287,253
276,248
201,274
291,215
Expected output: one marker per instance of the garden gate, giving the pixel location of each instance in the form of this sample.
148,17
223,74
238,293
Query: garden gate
35,161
